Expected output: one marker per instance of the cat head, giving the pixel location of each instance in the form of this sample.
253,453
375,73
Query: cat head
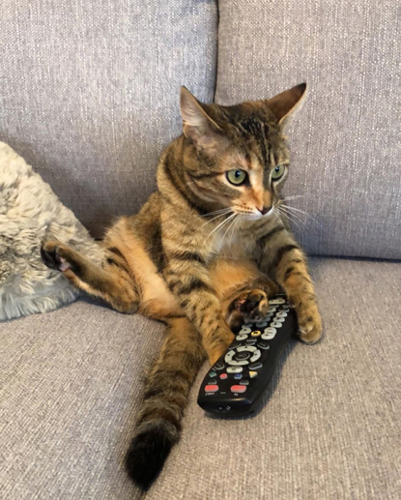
235,157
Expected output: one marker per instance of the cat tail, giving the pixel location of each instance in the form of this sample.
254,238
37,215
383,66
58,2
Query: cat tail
158,426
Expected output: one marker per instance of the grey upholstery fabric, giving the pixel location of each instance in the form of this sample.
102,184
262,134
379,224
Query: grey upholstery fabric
331,429
89,92
71,381
346,140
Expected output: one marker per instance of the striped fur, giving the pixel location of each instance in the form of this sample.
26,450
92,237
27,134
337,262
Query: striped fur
202,254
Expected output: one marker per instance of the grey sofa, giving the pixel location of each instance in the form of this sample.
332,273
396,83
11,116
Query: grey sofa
89,96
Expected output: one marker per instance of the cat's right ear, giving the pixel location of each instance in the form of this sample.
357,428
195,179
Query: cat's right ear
198,126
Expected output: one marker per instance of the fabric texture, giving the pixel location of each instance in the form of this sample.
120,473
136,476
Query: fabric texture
330,425
30,214
346,140
89,92
71,382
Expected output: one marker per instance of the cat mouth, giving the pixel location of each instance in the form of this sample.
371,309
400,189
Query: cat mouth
256,215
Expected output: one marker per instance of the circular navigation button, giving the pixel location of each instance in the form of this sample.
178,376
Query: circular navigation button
239,356
256,356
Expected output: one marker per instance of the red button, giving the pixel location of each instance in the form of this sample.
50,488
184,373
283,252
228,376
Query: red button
238,388
223,376
211,388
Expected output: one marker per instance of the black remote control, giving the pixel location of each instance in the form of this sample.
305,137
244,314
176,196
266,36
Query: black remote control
234,384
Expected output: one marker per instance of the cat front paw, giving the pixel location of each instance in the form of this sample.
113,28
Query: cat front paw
309,322
52,256
248,305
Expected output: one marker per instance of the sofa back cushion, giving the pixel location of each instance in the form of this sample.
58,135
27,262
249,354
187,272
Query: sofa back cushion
346,140
89,92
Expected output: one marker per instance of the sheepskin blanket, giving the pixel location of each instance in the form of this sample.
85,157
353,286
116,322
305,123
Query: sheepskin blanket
31,213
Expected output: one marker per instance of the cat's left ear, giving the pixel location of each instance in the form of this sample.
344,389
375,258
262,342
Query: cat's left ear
197,124
288,102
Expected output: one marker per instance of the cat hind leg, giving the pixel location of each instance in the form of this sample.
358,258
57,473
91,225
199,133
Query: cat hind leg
110,281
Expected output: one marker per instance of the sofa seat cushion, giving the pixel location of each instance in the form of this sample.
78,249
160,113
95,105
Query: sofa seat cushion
71,381
330,429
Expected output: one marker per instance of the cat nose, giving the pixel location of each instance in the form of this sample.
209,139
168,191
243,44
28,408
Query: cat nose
264,209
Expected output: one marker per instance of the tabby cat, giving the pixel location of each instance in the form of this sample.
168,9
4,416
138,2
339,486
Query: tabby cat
206,250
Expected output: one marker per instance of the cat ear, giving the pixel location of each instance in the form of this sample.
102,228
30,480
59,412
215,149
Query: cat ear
197,124
288,102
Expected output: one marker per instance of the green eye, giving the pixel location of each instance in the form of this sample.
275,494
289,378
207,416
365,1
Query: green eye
237,177
278,172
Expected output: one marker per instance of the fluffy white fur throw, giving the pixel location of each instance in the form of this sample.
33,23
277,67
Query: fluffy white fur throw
31,213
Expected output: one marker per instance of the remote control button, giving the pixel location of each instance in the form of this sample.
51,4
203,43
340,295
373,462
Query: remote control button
245,329
234,345
223,376
249,348
269,335
256,333
277,301
261,324
244,381
238,376
252,374
248,325
241,336
255,366
234,362
255,356
212,381
281,314
211,388
234,369
279,320
212,374
219,365
276,324
251,341
238,388
263,345
239,356
229,356
272,309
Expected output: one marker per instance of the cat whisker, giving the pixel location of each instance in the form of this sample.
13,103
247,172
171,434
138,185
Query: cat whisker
214,218
220,211
221,224
233,220
277,216
295,216
293,197
234,226
290,218
295,210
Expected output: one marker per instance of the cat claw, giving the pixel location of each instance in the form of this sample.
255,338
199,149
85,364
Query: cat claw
52,260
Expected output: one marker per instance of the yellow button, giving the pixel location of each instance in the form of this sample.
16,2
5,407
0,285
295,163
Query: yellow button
252,374
256,333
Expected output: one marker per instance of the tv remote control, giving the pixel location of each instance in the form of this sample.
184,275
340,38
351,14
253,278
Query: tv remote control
234,384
